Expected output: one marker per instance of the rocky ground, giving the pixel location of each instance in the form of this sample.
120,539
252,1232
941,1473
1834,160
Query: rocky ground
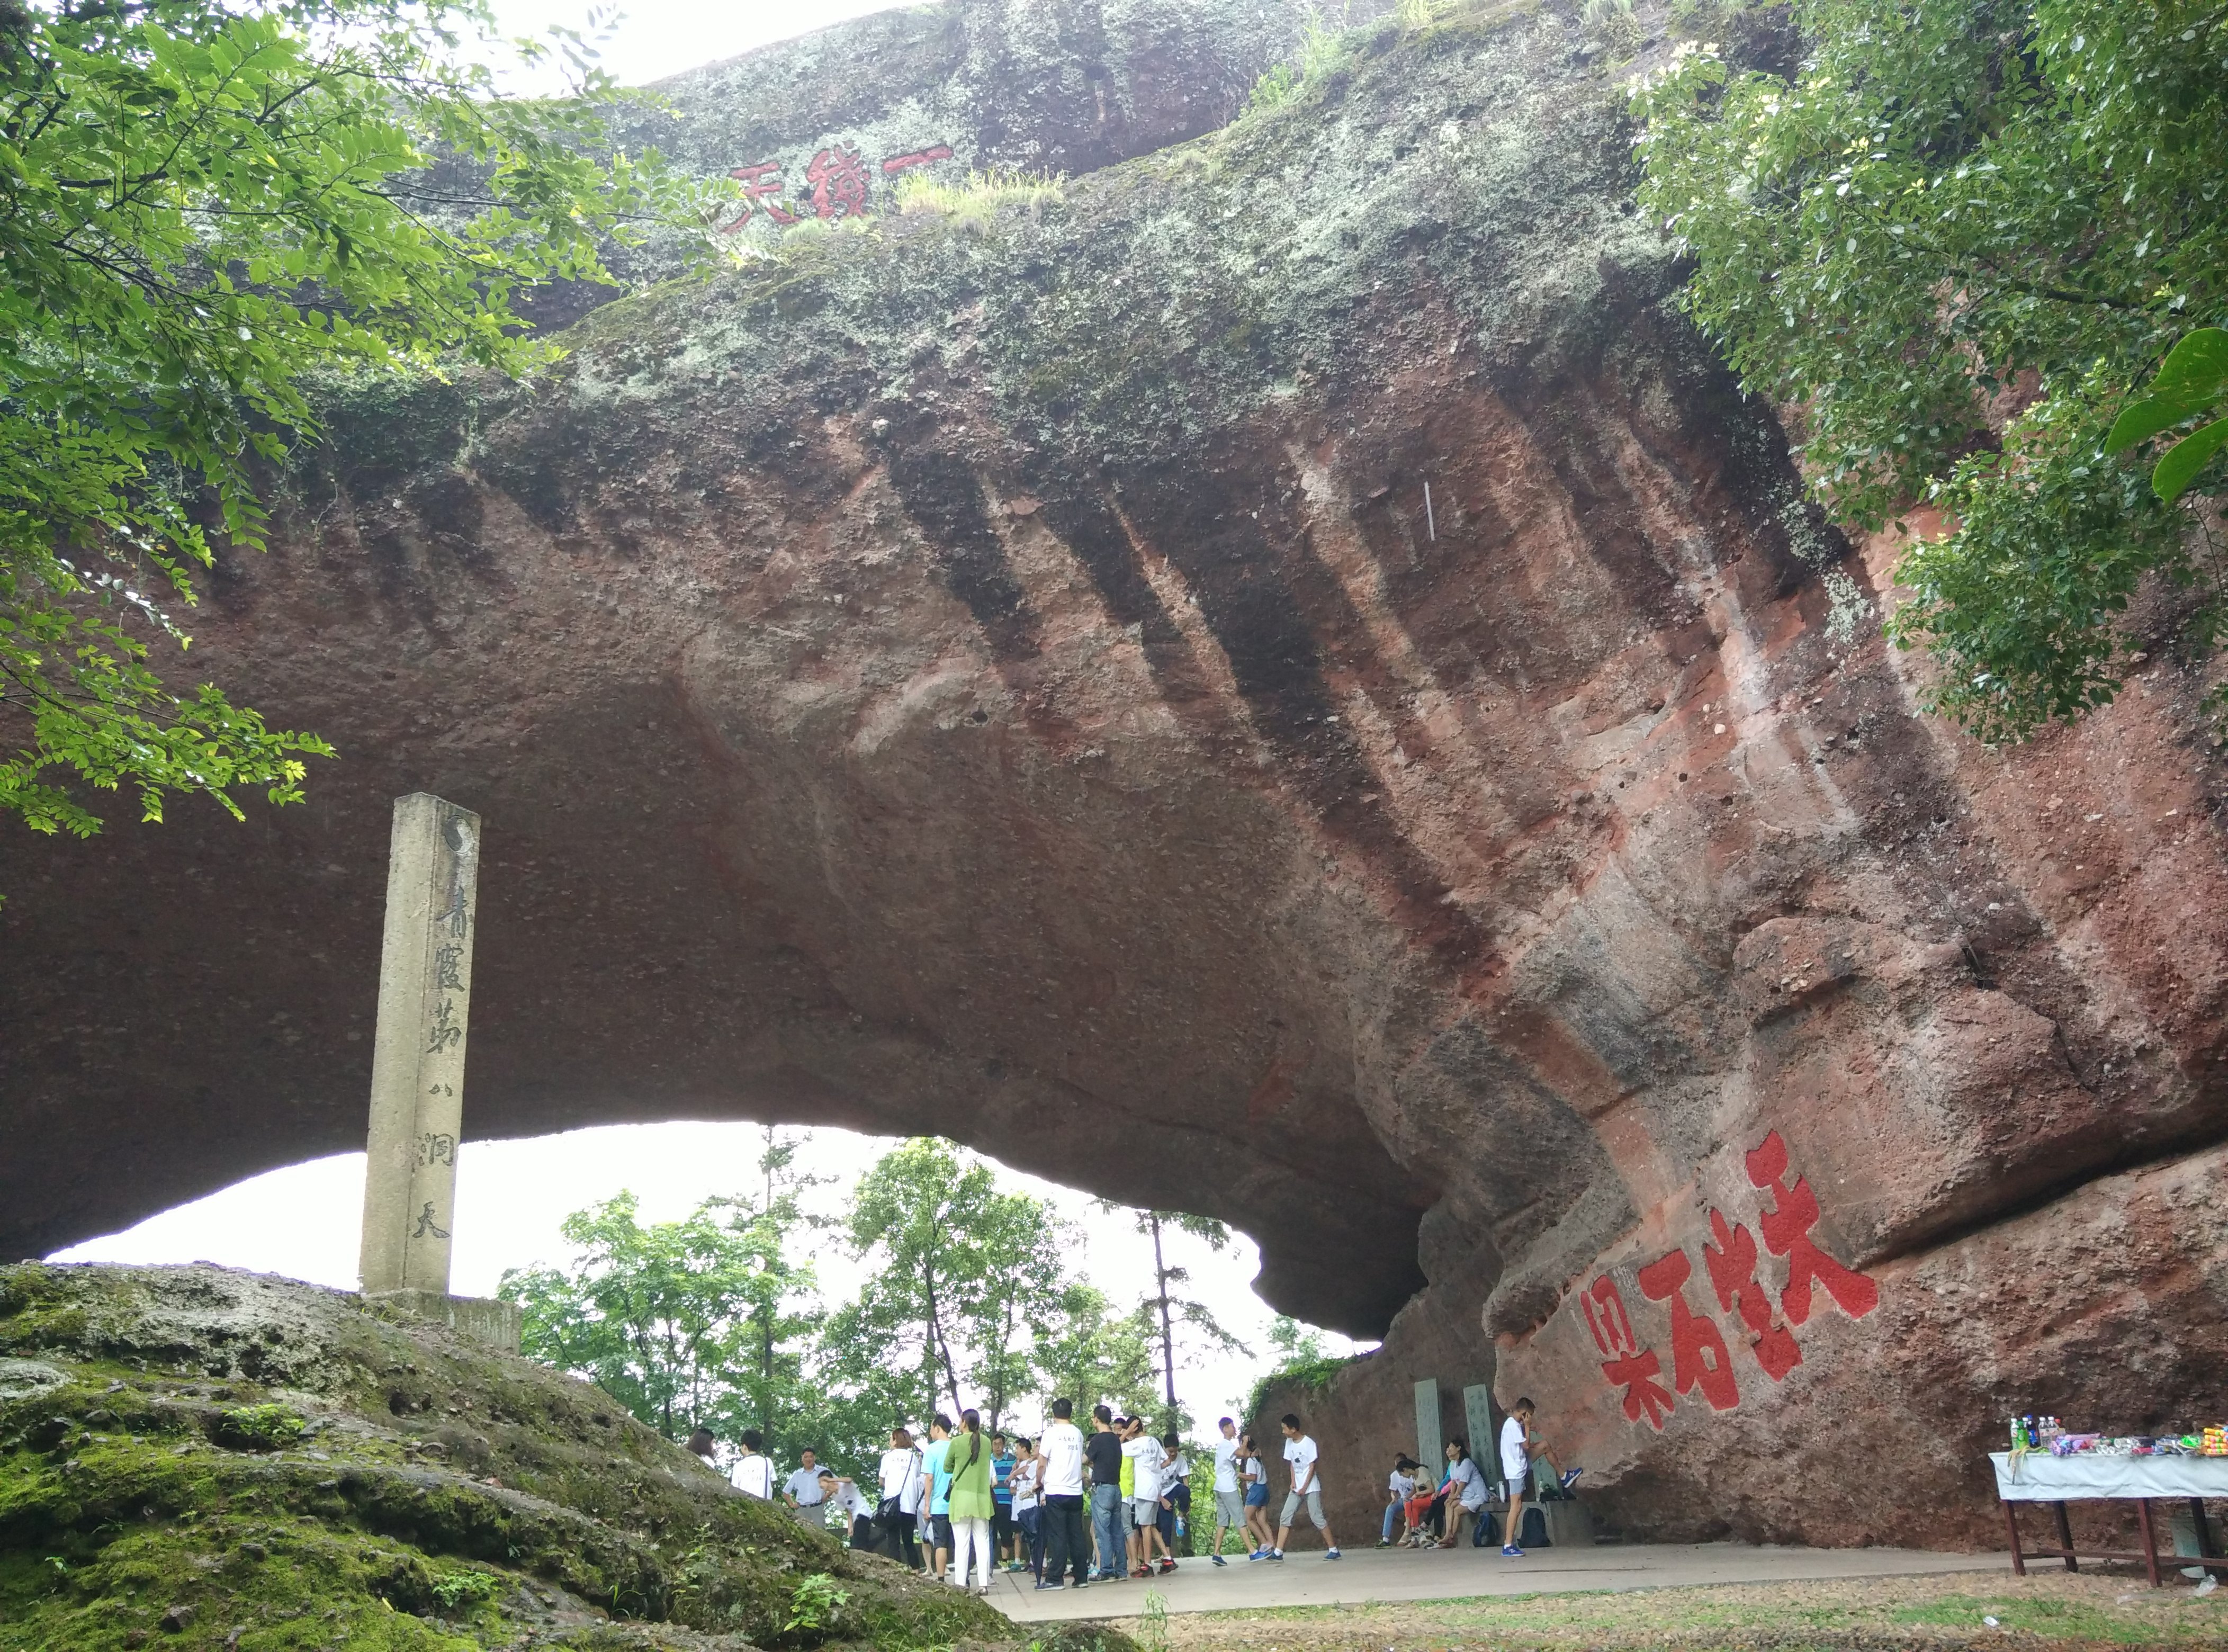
1872,1616
200,1457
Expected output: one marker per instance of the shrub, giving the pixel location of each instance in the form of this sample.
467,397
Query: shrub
1613,26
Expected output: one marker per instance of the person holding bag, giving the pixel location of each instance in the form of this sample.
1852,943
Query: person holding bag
898,1513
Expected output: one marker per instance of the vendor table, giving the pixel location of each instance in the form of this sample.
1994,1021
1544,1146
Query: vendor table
2039,1477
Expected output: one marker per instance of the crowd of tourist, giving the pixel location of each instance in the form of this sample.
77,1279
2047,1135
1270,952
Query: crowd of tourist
1072,1509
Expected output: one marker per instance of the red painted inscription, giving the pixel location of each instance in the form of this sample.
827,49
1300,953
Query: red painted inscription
1699,1357
1787,1232
1632,1368
836,178
1731,1262
897,163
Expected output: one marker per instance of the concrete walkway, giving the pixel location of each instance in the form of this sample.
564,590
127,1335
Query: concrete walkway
1372,1574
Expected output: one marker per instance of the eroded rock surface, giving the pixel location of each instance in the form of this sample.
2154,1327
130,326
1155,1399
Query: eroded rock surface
1290,684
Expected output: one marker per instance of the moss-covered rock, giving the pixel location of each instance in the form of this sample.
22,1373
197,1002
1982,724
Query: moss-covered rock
202,1457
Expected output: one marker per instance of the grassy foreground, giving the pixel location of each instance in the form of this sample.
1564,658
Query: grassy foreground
1870,1614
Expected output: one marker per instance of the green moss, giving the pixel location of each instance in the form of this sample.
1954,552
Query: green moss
1467,167
292,1466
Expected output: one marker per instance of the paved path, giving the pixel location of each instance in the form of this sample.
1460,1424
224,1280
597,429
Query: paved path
1372,1574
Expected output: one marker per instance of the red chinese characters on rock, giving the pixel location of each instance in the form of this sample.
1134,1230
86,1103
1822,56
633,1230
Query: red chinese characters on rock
1699,1357
759,181
1633,1369
897,163
839,182
836,177
1732,1263
1787,1232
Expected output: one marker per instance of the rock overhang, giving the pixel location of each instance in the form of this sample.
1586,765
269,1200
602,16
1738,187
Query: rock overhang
1010,679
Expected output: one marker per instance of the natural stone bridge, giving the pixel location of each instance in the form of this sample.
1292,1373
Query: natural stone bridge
1287,684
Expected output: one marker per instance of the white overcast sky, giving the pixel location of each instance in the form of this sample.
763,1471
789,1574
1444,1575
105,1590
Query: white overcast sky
652,39
305,1222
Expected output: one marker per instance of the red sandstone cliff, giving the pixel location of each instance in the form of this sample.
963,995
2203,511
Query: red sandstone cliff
1013,682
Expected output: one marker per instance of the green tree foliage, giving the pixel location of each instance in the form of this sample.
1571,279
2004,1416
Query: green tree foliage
1956,246
963,1275
201,206
971,1299
667,1318
1167,1307
2191,384
1093,1356
1302,1360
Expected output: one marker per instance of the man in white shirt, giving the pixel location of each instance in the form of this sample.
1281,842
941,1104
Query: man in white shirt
1144,1454
898,1511
1229,1500
753,1471
802,1489
1517,1440
1307,1489
1399,1486
1065,1543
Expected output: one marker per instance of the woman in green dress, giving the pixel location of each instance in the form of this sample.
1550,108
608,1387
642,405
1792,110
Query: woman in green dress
967,1462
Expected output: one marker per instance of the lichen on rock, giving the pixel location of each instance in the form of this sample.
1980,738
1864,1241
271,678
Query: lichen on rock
226,1459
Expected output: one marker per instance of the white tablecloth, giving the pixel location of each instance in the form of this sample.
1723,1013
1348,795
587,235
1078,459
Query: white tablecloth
2043,1478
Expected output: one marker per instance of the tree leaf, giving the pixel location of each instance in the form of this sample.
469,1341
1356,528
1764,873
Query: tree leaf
2185,459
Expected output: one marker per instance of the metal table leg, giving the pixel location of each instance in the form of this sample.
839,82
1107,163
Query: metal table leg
2065,1538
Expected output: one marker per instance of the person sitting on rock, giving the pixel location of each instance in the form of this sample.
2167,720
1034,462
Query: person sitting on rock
1399,1486
1464,1492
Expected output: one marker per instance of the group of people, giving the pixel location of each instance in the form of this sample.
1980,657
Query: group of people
1431,1515
1137,1492
1111,1506
1073,1509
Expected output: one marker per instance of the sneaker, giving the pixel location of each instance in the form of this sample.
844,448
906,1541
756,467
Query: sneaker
1259,1555
1217,1560
1571,1478
1512,1551
1077,1584
1383,1542
1332,1554
1052,1586
1275,1554
1167,1565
